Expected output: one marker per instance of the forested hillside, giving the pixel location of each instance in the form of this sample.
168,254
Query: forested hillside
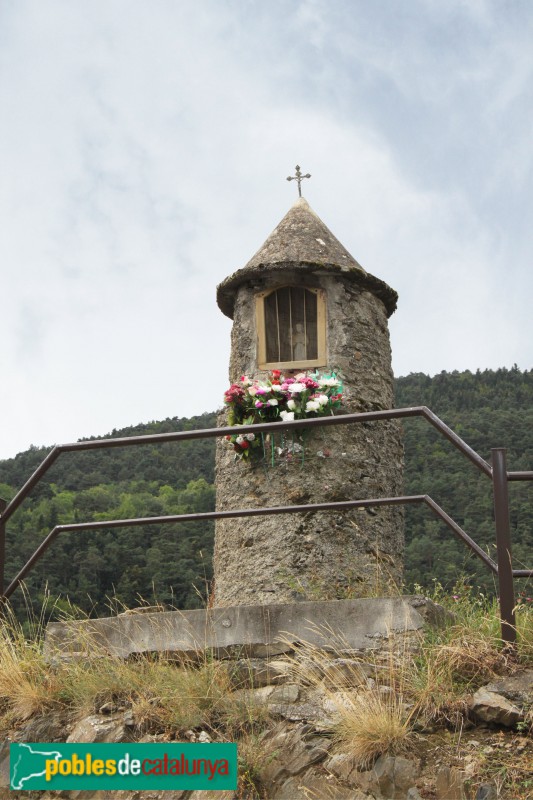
172,563
487,409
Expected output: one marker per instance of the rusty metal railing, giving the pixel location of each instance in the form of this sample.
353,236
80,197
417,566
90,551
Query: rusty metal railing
497,471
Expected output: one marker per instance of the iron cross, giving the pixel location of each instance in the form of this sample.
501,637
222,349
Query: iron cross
298,177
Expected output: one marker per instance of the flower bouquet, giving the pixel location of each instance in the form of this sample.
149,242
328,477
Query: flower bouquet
278,399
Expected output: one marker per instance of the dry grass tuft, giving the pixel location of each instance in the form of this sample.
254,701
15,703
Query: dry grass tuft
27,686
370,715
372,723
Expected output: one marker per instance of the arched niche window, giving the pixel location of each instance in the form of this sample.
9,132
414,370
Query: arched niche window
291,327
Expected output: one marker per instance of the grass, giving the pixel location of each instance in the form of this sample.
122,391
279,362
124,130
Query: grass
377,706
27,685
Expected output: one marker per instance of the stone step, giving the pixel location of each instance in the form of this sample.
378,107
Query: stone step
360,625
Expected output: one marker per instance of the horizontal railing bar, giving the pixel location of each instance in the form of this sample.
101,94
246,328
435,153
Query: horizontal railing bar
520,476
269,427
522,573
246,512
208,433
203,515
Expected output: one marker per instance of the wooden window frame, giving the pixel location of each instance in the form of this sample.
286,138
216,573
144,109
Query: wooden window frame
320,361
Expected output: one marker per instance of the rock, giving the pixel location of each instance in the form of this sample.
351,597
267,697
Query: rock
395,775
413,794
253,673
347,672
313,785
43,728
288,752
391,777
518,688
343,766
253,696
300,712
204,738
492,707
4,764
100,729
506,701
129,722
276,697
288,693
450,784
108,708
486,792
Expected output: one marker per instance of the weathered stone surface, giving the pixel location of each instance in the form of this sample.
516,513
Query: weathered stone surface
266,695
343,766
324,554
290,751
347,672
518,688
313,786
450,784
289,693
361,625
302,712
493,707
256,672
487,791
391,777
94,728
4,764
395,775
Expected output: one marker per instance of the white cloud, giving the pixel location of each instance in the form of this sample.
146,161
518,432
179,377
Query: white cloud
144,153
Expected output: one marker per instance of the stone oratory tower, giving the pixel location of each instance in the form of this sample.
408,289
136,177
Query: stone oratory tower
303,303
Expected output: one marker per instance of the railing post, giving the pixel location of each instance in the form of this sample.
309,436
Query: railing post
503,545
3,505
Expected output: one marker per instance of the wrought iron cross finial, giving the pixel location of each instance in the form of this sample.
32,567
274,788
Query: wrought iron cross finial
298,177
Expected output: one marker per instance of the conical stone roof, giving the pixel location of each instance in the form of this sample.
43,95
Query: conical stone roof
302,242
302,236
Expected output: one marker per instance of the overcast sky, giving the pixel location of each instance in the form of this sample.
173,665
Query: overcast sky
144,146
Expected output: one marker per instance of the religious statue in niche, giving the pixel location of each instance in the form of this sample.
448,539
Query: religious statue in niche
291,328
299,343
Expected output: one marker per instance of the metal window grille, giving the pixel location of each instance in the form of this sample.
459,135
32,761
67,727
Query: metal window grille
291,325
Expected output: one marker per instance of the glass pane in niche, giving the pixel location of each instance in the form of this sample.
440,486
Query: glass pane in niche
291,325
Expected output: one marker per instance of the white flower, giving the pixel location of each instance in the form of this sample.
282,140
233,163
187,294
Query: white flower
276,387
291,405
252,391
312,405
294,388
250,436
322,399
287,416
272,402
239,439
328,382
